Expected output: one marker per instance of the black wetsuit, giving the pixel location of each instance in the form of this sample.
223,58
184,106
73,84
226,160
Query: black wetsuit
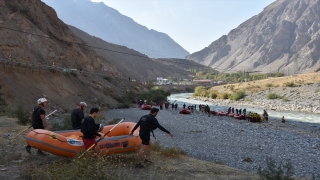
76,118
147,124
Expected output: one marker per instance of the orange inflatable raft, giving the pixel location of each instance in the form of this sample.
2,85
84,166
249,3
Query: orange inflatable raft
146,107
69,143
185,111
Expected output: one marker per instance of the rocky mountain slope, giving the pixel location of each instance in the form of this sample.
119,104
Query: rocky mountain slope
284,37
41,57
104,22
133,64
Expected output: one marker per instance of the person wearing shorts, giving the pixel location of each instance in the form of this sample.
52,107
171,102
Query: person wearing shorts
147,124
89,128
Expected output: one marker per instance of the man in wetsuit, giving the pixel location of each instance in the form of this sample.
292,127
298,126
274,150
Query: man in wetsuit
77,115
147,124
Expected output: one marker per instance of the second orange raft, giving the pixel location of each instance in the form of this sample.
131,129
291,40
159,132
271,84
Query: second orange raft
69,143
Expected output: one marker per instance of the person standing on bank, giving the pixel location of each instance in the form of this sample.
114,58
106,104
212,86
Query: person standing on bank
38,117
89,128
77,115
147,124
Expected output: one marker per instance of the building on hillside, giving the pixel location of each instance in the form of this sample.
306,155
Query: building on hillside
162,81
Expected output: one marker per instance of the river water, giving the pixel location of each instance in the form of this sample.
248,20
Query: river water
293,116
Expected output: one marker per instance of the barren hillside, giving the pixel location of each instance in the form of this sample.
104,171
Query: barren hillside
284,37
38,50
131,63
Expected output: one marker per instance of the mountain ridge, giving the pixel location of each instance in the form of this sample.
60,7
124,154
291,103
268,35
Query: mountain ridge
282,38
97,19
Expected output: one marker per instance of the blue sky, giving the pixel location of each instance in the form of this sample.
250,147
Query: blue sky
194,24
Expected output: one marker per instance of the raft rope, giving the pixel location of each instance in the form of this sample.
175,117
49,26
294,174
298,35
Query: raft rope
53,136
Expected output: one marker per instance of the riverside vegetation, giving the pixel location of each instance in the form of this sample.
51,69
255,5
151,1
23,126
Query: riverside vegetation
289,93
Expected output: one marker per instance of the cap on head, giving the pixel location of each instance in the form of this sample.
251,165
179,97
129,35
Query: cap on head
83,104
42,100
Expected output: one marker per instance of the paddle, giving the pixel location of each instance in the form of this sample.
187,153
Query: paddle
31,125
101,138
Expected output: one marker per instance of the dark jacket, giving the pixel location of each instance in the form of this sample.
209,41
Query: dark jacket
36,119
89,128
76,118
147,124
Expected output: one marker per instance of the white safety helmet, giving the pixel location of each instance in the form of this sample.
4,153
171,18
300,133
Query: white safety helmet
83,104
42,100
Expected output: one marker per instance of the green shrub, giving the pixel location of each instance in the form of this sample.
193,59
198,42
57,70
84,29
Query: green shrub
274,172
23,115
213,96
269,85
155,95
223,96
289,84
64,125
238,95
272,96
199,90
285,99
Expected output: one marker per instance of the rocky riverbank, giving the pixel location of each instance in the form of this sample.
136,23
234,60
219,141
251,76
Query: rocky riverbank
305,98
237,143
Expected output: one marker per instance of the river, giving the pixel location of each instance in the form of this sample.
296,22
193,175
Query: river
293,116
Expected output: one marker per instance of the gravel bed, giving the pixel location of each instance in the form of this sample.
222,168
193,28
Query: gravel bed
229,141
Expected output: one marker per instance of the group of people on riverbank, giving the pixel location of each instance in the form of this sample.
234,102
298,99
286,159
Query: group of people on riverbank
205,109
91,130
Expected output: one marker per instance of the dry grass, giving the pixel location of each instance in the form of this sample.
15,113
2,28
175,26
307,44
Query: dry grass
169,163
256,86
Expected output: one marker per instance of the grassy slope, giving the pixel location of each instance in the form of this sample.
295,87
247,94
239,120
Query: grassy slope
258,85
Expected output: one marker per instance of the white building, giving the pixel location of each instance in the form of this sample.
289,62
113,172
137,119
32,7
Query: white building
161,81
